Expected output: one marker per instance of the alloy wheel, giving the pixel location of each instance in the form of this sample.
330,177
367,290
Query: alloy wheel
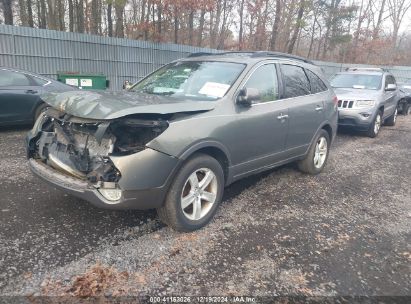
377,124
320,154
199,194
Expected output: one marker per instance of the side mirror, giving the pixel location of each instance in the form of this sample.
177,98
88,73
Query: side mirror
391,87
247,96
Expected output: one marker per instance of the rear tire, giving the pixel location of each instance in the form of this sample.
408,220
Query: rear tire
194,195
317,156
375,126
390,121
406,109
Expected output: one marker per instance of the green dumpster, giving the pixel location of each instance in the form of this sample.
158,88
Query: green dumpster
84,81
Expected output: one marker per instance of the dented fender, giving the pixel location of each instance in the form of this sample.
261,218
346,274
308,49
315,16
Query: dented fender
144,170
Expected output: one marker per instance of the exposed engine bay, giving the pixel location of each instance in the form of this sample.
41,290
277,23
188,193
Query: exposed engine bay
81,147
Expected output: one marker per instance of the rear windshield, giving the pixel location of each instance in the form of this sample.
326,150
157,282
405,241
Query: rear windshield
357,81
192,80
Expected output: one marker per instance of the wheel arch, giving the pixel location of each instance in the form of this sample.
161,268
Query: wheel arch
213,149
327,127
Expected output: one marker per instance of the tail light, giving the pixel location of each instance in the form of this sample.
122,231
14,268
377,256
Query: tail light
335,100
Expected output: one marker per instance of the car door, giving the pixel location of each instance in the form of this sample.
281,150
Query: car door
306,110
19,96
262,127
389,96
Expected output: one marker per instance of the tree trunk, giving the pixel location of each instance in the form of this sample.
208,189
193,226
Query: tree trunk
328,24
223,27
190,27
313,32
147,21
240,34
93,18
30,13
175,26
201,28
80,16
119,11
377,27
159,18
297,27
42,17
109,19
216,26
7,12
61,14
71,15
276,25
23,13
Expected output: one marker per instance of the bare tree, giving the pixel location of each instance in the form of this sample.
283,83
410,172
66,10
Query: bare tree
276,25
397,9
8,11
297,27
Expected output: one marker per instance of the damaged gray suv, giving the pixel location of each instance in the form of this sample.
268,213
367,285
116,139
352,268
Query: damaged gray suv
175,139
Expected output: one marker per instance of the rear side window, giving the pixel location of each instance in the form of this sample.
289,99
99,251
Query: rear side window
264,79
295,81
9,78
317,85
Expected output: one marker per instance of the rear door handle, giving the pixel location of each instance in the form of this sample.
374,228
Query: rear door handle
318,108
31,92
281,116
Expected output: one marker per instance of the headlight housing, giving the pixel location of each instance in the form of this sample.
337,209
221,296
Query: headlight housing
364,103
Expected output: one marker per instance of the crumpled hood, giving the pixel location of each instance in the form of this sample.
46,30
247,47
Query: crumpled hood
356,94
111,105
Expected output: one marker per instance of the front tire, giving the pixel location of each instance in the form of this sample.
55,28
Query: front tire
194,195
375,126
317,156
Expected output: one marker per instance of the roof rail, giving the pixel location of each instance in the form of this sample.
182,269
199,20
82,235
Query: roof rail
282,55
253,54
198,54
367,69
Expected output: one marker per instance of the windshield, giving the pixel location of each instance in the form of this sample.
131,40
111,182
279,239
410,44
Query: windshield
193,80
357,81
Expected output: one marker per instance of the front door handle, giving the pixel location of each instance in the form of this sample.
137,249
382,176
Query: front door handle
282,117
31,92
319,108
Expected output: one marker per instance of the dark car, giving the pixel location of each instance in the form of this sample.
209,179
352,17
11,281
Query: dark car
404,104
179,136
20,101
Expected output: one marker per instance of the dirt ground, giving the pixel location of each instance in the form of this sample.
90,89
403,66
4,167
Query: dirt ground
345,232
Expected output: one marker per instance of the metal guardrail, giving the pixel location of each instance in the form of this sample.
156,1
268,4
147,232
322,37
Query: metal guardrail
48,52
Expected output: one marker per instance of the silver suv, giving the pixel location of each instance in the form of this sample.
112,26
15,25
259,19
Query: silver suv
367,98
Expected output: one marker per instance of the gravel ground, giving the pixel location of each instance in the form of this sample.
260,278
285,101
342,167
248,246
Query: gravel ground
343,232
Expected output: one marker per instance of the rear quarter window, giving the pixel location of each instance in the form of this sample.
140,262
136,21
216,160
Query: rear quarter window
317,85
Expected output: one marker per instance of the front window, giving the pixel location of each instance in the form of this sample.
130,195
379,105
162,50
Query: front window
191,80
357,81
264,79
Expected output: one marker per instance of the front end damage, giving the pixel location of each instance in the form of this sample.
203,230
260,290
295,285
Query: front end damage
98,160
